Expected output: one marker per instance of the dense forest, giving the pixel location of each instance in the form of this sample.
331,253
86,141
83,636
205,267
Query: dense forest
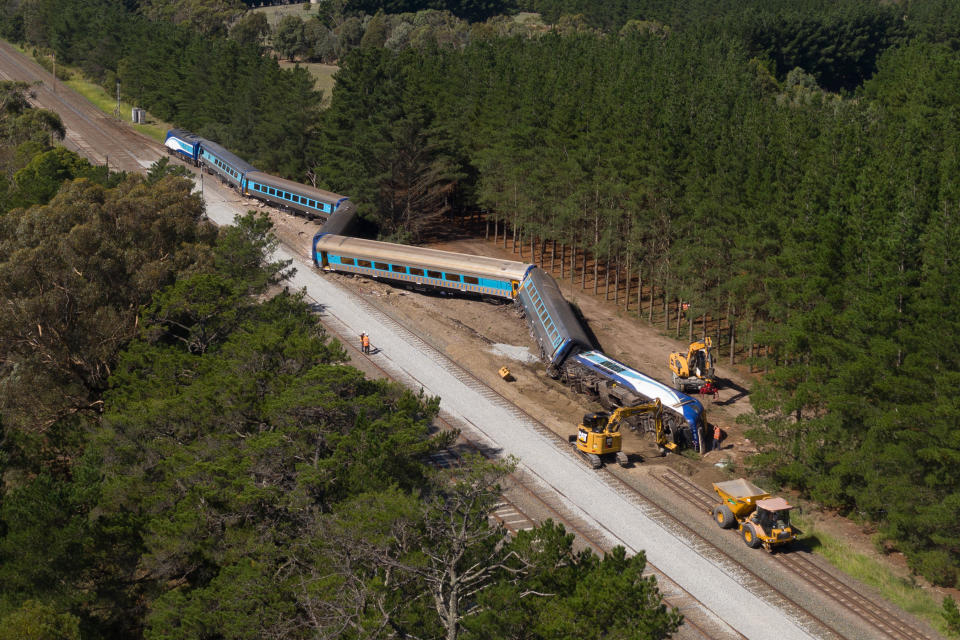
788,169
185,455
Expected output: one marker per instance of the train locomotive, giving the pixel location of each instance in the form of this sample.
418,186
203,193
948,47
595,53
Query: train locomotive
565,348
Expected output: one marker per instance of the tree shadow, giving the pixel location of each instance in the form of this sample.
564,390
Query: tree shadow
594,341
742,392
446,229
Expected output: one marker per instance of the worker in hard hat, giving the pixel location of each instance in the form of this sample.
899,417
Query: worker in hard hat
365,343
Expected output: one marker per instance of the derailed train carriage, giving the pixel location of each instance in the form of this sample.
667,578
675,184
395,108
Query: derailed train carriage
418,268
291,195
569,356
564,345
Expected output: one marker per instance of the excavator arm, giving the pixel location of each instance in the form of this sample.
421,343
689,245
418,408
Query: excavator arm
621,414
695,368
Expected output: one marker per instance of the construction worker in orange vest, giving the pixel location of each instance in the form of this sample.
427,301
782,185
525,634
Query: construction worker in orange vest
717,437
365,343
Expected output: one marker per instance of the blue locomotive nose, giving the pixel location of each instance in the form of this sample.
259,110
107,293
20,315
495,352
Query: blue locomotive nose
694,414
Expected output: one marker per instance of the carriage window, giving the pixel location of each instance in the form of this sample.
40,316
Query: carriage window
383,266
452,277
364,263
416,272
471,280
348,261
398,268
273,191
434,274
296,199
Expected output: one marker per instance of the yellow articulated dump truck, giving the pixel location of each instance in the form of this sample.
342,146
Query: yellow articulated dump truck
762,520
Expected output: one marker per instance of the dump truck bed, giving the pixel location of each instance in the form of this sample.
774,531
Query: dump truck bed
739,496
739,488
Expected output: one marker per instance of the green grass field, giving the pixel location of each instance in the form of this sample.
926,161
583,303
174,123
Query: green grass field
322,76
904,593
275,13
106,103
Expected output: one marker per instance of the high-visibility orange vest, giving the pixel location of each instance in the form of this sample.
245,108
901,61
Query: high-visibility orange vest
366,341
717,433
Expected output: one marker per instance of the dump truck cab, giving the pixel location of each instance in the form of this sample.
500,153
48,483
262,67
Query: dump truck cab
760,518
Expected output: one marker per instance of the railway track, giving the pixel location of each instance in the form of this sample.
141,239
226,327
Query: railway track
798,562
90,133
700,621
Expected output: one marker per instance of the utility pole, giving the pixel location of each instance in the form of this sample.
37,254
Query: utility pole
54,71
116,111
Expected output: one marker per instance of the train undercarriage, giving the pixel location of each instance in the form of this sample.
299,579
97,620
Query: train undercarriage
611,396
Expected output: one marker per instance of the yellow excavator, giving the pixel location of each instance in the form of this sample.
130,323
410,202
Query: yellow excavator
694,369
599,437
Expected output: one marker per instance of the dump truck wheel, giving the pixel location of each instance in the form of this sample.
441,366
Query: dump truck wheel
750,536
723,516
